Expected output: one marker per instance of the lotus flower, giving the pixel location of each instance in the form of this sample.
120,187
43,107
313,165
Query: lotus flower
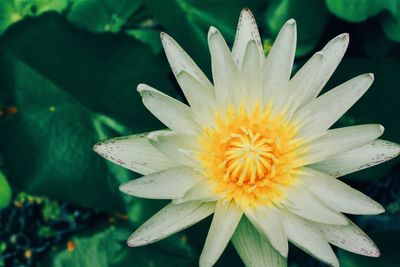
254,149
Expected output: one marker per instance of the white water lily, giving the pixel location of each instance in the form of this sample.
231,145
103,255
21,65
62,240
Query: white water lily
255,150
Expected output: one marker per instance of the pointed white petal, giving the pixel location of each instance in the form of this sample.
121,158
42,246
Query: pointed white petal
180,61
369,155
177,146
303,203
253,249
268,223
250,76
320,114
351,238
303,81
306,236
333,53
201,191
225,220
168,184
337,195
200,98
246,31
279,62
171,219
224,69
341,140
135,153
172,113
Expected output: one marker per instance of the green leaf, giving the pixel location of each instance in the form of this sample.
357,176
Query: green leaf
390,24
12,11
102,16
5,191
360,10
311,17
8,14
187,21
148,36
72,89
108,249
48,143
38,7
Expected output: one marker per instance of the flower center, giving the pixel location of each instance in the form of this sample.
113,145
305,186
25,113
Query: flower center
247,157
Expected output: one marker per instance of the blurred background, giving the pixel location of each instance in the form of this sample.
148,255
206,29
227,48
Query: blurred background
68,76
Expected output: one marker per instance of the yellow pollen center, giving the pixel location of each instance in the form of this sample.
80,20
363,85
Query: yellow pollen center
247,157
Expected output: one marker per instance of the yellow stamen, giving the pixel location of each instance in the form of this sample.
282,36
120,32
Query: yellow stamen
250,155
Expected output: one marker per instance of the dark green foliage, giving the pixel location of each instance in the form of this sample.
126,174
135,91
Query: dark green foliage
5,191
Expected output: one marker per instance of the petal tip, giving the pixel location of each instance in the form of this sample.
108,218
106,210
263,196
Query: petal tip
246,13
370,76
319,54
137,240
97,147
141,87
376,253
166,40
345,36
342,221
131,243
380,209
212,30
291,22
101,148
177,201
123,188
381,128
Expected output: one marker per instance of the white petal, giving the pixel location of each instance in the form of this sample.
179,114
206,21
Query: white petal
250,76
246,31
351,238
135,153
303,81
303,203
171,219
341,140
180,61
369,155
337,195
178,146
201,191
320,114
167,184
224,70
268,223
201,99
172,113
175,139
279,62
306,236
253,249
225,220
333,53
